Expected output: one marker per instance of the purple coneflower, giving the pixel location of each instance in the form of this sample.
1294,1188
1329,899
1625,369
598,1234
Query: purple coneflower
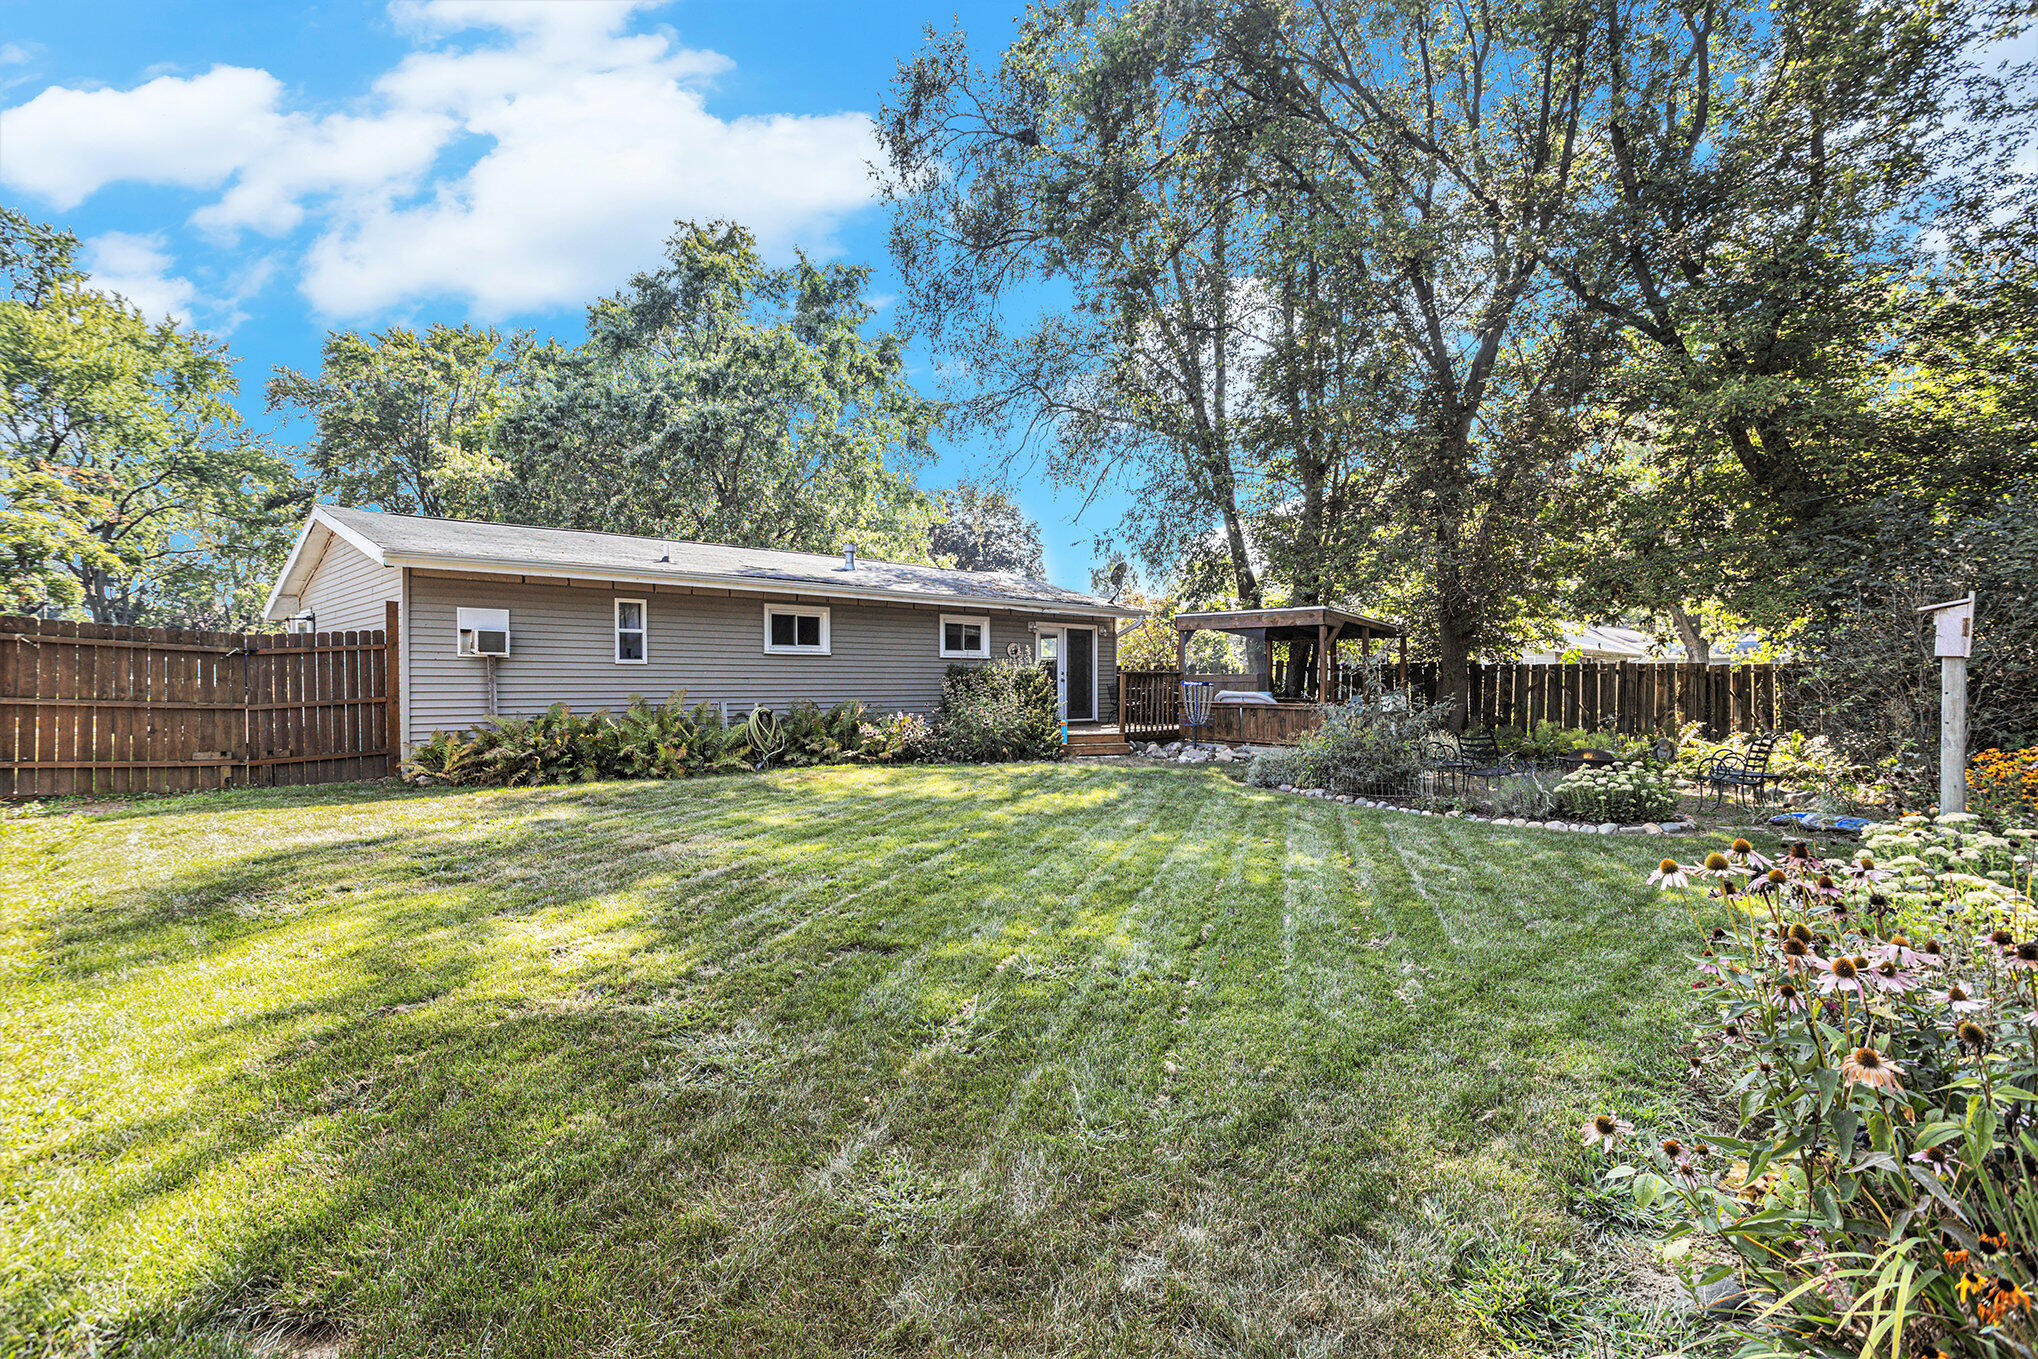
1841,972
1670,874
1798,955
1824,886
2023,958
1748,855
1937,1160
1863,869
1886,977
1788,997
1899,951
1959,1002
1603,1129
1866,1066
1716,866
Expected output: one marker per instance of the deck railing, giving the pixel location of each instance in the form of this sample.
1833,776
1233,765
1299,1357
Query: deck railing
1149,704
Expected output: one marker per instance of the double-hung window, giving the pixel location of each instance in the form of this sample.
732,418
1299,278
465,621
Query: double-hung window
631,632
965,636
791,630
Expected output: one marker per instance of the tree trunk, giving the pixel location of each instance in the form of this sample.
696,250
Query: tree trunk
1696,648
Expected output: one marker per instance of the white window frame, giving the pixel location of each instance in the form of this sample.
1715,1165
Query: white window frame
983,624
827,647
643,631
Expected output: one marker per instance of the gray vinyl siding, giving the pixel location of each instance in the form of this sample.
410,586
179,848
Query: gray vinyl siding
347,590
712,647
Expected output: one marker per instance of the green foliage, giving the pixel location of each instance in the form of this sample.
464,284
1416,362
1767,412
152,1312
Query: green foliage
721,400
893,739
1364,746
405,419
1529,795
992,713
129,486
646,741
1800,758
661,741
981,528
1547,741
1870,682
1627,793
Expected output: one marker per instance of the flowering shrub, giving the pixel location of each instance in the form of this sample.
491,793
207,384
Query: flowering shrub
996,712
2003,785
1624,792
1954,857
1874,1022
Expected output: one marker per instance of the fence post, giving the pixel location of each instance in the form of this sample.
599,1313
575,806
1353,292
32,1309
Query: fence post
392,685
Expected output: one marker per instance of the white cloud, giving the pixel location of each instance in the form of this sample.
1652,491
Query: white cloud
524,155
191,132
14,54
139,269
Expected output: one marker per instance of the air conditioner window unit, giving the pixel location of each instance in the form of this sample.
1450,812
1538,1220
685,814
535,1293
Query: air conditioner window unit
484,632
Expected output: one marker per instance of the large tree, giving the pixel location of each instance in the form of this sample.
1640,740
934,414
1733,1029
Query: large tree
981,528
720,399
1076,169
121,454
404,419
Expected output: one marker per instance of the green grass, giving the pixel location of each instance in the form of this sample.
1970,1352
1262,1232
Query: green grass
1045,1060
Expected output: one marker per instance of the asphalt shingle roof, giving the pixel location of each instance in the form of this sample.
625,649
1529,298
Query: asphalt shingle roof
554,551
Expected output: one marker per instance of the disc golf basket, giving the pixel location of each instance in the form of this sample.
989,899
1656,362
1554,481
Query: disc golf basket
1196,707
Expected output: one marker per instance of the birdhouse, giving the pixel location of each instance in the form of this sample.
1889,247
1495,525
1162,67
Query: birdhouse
1955,621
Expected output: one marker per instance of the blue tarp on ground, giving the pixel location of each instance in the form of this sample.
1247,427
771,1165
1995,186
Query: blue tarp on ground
1821,821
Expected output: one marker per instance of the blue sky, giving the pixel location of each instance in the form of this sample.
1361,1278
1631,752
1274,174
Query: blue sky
266,171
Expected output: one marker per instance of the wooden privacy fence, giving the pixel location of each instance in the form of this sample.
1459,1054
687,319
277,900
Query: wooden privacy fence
1631,697
95,708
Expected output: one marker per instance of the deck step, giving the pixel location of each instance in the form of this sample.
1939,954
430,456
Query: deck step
1097,743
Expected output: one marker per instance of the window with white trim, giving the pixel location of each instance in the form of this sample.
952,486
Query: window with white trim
965,636
795,630
632,631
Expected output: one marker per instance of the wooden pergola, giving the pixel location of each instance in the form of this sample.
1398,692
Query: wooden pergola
1314,630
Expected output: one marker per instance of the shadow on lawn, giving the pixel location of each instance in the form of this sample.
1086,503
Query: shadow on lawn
626,1155
484,1142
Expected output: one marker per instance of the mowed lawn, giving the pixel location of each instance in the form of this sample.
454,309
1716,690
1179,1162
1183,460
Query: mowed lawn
1019,1060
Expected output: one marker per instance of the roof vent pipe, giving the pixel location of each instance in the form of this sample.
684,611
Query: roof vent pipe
849,556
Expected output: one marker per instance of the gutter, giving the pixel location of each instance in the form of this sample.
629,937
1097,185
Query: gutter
503,566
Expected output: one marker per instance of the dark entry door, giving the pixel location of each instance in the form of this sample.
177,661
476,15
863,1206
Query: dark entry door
1082,664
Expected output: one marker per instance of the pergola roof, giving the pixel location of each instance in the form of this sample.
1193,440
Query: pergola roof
1304,619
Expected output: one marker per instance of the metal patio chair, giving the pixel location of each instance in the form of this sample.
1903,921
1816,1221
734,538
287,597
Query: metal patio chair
1744,774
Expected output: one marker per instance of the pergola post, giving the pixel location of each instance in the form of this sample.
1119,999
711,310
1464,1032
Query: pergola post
1404,660
1323,663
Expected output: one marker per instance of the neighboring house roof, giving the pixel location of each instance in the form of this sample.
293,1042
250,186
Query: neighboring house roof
520,549
1602,643
1611,642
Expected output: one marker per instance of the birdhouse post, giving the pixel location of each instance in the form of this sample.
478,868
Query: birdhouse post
1953,642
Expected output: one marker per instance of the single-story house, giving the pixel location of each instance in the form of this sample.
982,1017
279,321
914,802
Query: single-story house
508,619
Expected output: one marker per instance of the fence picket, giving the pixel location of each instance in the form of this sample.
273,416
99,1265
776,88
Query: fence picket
93,708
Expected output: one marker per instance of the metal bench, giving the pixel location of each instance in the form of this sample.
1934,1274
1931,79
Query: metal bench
1744,773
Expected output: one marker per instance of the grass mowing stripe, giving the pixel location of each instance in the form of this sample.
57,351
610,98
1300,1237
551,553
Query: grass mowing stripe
454,1072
